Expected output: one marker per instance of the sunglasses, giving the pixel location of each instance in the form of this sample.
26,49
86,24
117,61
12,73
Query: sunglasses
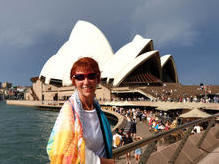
82,76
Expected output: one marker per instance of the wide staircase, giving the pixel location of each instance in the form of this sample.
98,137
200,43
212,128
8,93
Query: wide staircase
176,90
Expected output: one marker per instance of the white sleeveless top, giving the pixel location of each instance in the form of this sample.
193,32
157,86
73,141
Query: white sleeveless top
92,133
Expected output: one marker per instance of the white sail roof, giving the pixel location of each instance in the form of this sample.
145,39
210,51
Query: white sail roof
164,59
130,66
87,40
124,55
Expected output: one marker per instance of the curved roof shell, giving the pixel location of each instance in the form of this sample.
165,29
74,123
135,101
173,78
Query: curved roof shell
125,54
133,64
169,71
85,40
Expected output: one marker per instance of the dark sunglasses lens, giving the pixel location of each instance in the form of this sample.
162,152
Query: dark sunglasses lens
79,77
92,76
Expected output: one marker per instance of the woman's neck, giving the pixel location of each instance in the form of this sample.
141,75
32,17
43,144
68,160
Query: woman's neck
87,103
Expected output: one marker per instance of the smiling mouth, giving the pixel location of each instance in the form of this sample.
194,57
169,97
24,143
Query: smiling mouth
87,87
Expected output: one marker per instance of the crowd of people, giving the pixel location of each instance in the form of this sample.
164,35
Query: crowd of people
164,98
121,138
173,95
155,121
152,120
127,134
170,95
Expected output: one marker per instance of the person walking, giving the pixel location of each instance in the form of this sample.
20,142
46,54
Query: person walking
127,140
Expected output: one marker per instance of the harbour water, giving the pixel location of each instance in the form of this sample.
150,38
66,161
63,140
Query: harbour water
24,133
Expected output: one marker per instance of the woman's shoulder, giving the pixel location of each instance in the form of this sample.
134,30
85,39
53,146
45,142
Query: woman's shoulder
66,107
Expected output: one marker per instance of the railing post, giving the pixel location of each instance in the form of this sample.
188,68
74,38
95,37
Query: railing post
181,145
206,132
147,152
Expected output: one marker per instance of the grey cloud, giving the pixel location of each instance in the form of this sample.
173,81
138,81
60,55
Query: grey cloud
180,33
23,22
165,21
171,21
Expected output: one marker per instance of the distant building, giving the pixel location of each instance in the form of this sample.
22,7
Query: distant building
6,85
136,64
135,72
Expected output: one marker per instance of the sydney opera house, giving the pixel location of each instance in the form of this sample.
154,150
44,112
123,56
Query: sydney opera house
131,69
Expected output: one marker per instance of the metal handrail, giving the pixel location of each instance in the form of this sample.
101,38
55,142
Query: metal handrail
134,145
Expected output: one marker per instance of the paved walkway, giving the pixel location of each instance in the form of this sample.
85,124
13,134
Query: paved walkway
211,158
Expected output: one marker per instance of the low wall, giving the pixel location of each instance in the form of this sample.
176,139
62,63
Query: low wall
121,120
23,102
190,153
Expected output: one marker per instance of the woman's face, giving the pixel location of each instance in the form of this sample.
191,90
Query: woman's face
86,86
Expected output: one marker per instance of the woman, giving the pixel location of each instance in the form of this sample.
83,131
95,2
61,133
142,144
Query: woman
81,133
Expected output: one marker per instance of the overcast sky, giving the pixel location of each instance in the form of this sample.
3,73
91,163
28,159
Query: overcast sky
31,31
